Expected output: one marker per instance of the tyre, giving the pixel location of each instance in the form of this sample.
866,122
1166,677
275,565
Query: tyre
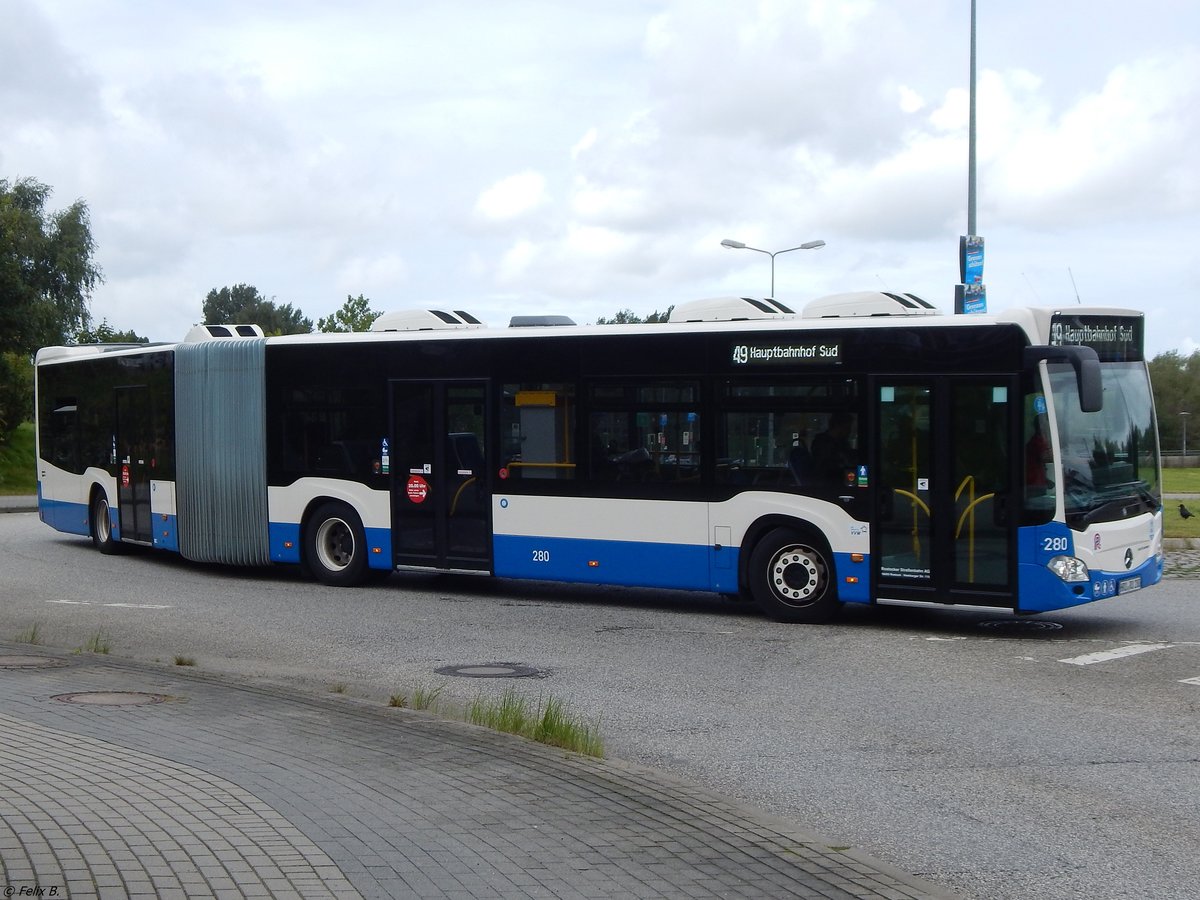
791,578
100,525
335,549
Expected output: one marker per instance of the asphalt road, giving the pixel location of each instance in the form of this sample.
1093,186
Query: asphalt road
1003,758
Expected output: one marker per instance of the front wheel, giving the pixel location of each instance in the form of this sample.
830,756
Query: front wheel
335,547
791,578
100,525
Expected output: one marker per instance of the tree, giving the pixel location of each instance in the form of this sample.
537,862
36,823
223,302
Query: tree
105,334
629,317
46,270
16,392
1176,381
242,304
355,315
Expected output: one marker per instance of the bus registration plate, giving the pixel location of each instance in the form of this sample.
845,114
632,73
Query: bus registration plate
1126,585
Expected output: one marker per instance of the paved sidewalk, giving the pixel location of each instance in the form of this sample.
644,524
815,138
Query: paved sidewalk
219,789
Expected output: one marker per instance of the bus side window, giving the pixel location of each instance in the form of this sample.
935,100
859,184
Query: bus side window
537,428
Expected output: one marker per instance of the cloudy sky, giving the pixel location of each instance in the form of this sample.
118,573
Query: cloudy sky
579,158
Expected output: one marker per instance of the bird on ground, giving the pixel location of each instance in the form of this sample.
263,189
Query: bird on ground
1184,512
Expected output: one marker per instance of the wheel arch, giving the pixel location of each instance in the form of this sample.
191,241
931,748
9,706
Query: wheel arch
763,526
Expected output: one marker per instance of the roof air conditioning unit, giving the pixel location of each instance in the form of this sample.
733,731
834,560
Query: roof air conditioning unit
425,320
731,309
214,332
869,303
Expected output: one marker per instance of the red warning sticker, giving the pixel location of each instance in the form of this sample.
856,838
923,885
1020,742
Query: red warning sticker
418,489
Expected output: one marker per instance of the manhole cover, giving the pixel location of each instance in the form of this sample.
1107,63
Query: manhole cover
492,670
30,662
1021,625
112,698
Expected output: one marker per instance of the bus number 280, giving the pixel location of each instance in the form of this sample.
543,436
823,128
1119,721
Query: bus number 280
1054,545
541,556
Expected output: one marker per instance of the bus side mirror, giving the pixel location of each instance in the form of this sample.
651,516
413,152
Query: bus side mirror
1086,364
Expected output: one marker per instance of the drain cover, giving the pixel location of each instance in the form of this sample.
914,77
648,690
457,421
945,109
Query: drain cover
30,662
112,698
1021,625
492,670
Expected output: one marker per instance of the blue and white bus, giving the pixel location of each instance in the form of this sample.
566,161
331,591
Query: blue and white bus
866,449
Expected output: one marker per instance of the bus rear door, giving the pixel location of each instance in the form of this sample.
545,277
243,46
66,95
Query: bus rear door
945,467
135,453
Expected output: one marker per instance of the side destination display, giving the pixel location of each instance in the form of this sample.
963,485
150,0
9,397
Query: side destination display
780,353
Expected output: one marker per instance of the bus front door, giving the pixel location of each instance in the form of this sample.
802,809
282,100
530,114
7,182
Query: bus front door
946,462
441,515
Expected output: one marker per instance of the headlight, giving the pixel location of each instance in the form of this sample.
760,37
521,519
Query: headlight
1069,568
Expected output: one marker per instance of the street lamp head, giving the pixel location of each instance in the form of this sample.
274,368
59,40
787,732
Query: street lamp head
812,245
733,245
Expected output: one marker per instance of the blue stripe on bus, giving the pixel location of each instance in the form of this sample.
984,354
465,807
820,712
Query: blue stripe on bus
629,563
166,532
635,564
62,515
858,591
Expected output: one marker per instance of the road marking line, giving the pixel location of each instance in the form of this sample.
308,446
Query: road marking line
1190,680
114,605
1105,655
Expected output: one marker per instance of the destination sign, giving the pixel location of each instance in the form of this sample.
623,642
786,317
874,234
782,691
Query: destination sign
786,353
1114,338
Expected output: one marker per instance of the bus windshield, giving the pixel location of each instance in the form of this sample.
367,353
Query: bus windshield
1109,458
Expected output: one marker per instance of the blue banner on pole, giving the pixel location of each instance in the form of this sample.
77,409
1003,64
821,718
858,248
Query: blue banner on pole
970,299
970,258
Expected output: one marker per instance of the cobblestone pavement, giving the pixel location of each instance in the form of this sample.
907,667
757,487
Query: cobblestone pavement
210,788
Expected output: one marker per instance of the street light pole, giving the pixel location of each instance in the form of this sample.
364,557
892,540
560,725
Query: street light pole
1184,417
738,245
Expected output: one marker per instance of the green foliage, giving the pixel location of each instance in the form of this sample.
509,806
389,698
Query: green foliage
629,317
32,635
46,270
242,304
106,334
1181,481
355,315
548,723
99,642
1176,381
18,463
16,393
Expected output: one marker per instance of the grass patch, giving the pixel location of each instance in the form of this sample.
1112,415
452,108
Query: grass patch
185,660
398,701
425,697
18,464
31,635
1181,481
547,722
99,642
1175,525
337,688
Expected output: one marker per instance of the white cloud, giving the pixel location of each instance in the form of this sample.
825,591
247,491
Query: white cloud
593,155
512,197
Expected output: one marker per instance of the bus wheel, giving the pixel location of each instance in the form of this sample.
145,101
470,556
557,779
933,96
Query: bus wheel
100,525
791,578
334,546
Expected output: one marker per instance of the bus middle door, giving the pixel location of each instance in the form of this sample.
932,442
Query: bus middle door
441,507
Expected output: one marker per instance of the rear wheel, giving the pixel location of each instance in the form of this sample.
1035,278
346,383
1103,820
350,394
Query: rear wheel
791,578
335,548
100,524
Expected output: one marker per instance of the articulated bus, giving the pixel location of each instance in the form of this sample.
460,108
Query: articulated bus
866,449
